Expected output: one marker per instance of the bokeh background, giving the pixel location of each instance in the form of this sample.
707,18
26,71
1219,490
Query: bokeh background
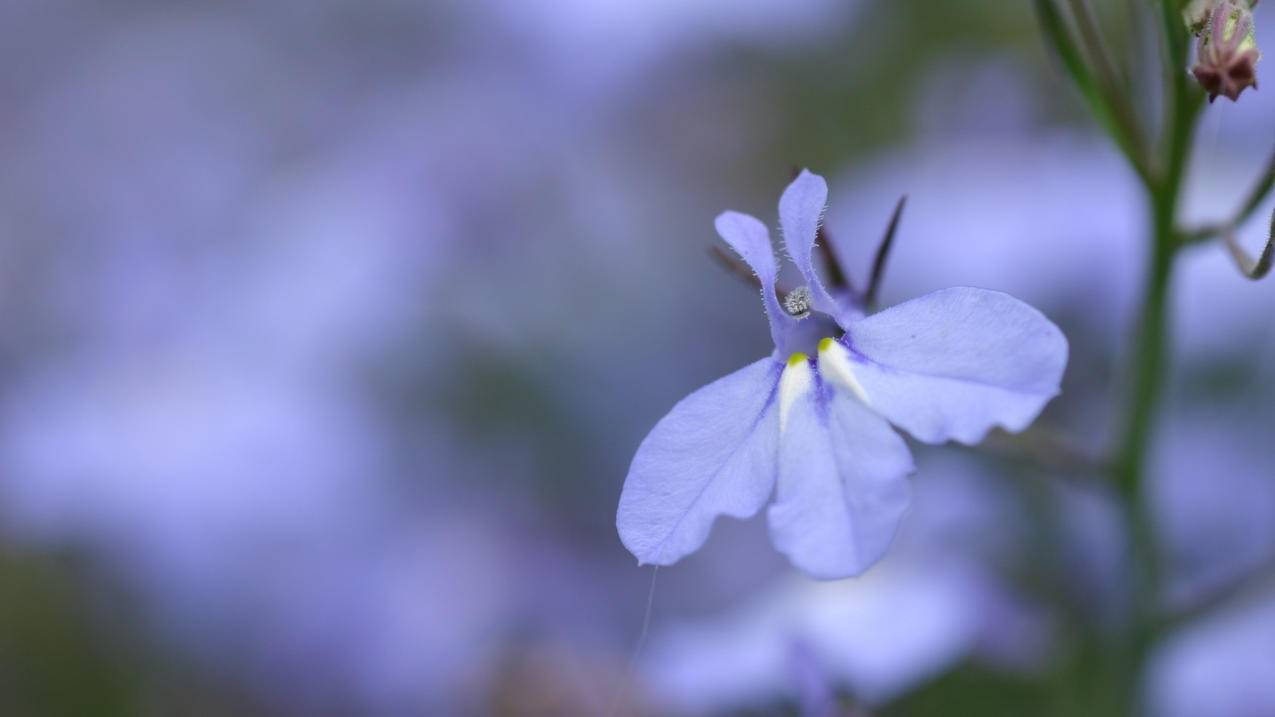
328,330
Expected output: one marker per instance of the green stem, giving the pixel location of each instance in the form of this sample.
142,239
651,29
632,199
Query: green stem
1150,355
1122,657
1147,370
1109,106
1261,189
1149,358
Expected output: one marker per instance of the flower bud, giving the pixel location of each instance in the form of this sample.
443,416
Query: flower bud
1227,56
1197,12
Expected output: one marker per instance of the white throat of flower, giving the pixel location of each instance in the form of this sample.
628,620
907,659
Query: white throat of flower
796,381
798,378
834,364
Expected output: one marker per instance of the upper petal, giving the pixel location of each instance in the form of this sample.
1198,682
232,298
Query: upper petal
800,210
751,240
955,363
713,454
842,485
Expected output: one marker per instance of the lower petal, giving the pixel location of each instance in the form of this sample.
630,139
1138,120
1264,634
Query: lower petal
713,454
842,485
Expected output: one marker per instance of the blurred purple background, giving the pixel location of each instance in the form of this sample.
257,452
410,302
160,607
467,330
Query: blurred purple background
328,330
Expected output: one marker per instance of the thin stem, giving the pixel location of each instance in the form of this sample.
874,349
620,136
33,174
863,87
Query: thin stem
1177,41
1255,269
1161,165
1109,79
1261,189
1148,358
1258,194
1121,126
1148,367
1152,342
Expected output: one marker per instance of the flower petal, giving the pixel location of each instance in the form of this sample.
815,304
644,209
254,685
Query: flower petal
751,240
800,211
842,485
713,454
953,364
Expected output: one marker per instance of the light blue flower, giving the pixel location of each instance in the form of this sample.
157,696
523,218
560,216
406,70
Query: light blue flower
811,423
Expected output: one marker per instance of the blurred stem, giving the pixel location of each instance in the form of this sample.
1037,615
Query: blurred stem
1151,346
1147,368
1111,83
1149,358
1261,189
1109,105
1255,269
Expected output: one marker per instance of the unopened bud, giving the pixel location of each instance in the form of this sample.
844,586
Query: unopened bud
1227,57
1197,12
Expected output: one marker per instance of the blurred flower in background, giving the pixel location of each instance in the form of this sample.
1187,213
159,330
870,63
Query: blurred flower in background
935,600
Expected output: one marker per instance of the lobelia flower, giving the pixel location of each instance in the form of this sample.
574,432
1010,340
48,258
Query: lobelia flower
1227,55
812,422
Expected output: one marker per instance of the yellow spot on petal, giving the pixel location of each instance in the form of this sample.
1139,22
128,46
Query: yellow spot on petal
835,365
796,382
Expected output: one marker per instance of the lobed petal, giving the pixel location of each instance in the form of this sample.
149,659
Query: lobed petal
842,486
800,210
713,454
953,364
751,240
